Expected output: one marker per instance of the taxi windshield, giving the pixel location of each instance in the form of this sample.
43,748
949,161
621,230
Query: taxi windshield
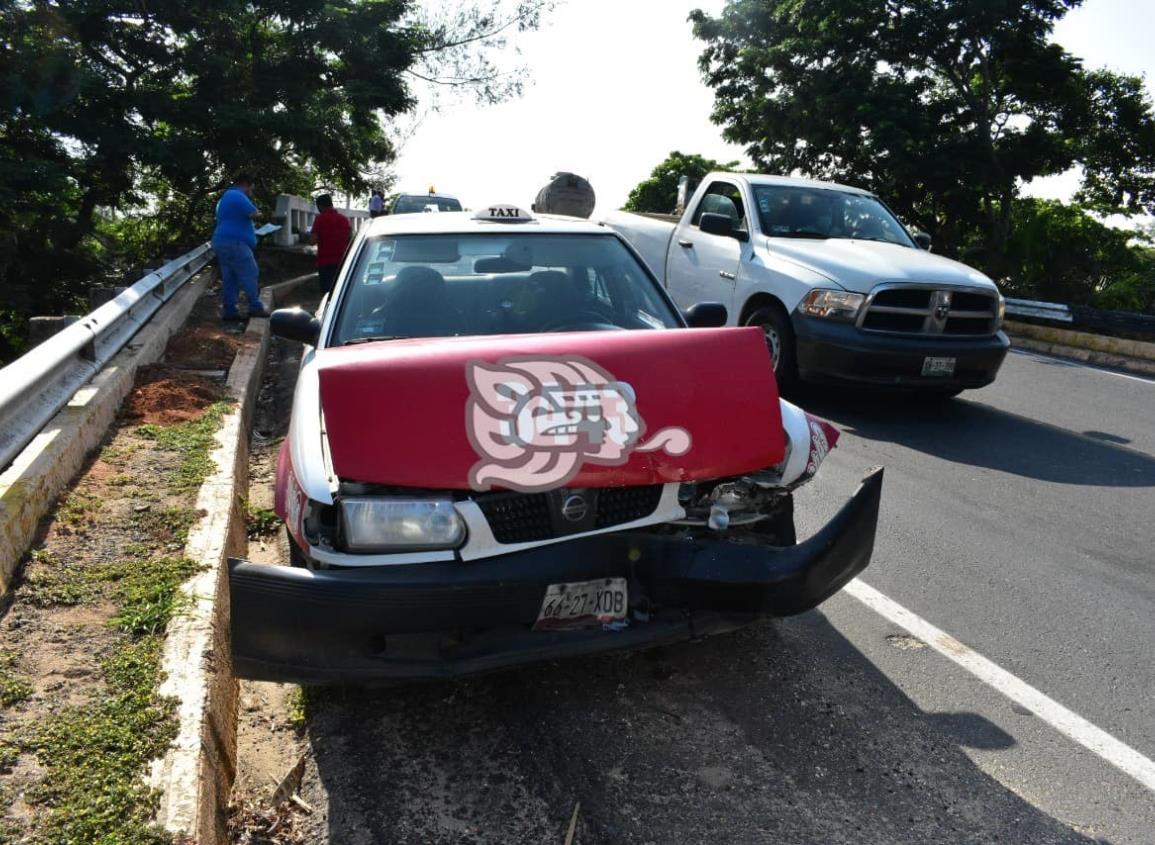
483,284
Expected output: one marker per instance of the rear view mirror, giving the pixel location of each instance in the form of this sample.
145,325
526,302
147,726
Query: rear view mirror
706,315
295,324
923,240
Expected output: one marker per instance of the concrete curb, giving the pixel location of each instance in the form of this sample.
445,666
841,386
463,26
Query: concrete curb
196,775
29,487
1134,355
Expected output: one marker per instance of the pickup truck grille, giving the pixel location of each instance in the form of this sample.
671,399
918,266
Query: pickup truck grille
530,517
931,311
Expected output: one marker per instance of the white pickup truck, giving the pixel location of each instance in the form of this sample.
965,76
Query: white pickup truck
841,289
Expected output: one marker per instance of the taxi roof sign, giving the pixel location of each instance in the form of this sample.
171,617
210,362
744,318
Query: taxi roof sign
503,213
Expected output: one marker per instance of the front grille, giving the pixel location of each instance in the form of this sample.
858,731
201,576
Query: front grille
531,517
931,311
617,505
517,517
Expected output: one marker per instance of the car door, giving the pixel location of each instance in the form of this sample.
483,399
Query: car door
702,267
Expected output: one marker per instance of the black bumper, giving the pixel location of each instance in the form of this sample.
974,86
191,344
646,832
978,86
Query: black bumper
840,352
445,620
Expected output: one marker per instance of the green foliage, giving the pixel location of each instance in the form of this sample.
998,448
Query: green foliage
260,522
120,122
195,440
94,755
659,193
13,688
1060,252
944,109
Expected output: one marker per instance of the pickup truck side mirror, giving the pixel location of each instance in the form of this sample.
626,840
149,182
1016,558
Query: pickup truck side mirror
706,315
295,324
923,240
720,224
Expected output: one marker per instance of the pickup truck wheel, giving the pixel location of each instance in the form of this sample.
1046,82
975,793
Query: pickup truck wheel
780,341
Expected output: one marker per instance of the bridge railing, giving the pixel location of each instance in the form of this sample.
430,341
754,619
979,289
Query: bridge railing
43,380
298,213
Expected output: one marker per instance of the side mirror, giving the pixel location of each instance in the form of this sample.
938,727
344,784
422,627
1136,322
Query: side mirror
295,324
706,315
716,224
923,240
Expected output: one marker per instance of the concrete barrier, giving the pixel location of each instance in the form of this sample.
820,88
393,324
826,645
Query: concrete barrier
29,487
1134,355
196,775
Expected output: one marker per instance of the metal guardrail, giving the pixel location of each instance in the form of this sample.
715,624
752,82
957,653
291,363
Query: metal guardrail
1039,310
1085,318
35,386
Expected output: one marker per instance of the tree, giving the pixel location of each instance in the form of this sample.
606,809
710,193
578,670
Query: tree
943,108
1061,253
115,111
659,193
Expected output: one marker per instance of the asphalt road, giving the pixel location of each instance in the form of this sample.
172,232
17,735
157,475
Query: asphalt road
1019,518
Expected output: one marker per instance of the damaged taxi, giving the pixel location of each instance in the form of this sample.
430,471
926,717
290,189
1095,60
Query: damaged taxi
508,444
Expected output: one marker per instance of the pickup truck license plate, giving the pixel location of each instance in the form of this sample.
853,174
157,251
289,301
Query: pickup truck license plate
583,604
938,366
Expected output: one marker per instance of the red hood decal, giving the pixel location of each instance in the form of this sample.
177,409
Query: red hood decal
536,412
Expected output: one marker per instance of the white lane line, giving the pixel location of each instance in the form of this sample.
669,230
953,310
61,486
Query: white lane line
1082,365
1096,740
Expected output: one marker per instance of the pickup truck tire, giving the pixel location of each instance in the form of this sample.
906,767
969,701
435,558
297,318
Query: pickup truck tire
780,341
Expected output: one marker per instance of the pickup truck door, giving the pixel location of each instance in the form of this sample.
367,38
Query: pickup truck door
702,267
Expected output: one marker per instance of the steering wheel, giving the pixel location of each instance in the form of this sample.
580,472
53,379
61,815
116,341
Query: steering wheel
578,321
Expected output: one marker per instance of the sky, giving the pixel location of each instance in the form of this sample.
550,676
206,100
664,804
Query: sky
614,88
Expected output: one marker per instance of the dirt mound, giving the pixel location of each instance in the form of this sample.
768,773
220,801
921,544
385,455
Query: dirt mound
164,396
209,347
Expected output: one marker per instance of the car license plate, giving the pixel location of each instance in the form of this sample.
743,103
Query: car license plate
938,366
583,604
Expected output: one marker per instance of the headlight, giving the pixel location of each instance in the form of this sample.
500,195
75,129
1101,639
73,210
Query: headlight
833,304
394,525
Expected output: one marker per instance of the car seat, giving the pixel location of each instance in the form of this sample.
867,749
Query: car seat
419,306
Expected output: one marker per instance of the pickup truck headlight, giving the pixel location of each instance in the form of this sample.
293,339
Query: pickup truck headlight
832,304
395,525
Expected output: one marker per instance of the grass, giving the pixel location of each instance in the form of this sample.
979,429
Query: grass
78,509
94,754
92,790
303,704
260,522
194,441
164,528
13,688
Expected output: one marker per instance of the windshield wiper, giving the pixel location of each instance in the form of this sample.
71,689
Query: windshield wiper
811,235
374,338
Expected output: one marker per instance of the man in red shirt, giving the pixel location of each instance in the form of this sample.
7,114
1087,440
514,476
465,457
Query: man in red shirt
331,232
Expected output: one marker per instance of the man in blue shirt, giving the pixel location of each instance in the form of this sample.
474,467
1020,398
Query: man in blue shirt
233,243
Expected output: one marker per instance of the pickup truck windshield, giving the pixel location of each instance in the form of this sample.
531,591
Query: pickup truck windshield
787,211
415,204
507,283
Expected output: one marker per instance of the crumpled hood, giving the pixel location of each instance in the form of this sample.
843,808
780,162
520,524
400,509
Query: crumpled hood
538,412
860,265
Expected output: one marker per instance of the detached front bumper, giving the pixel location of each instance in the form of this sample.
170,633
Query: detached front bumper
839,352
444,620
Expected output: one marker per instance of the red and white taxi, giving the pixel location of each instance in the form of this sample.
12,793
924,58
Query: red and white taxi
507,444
